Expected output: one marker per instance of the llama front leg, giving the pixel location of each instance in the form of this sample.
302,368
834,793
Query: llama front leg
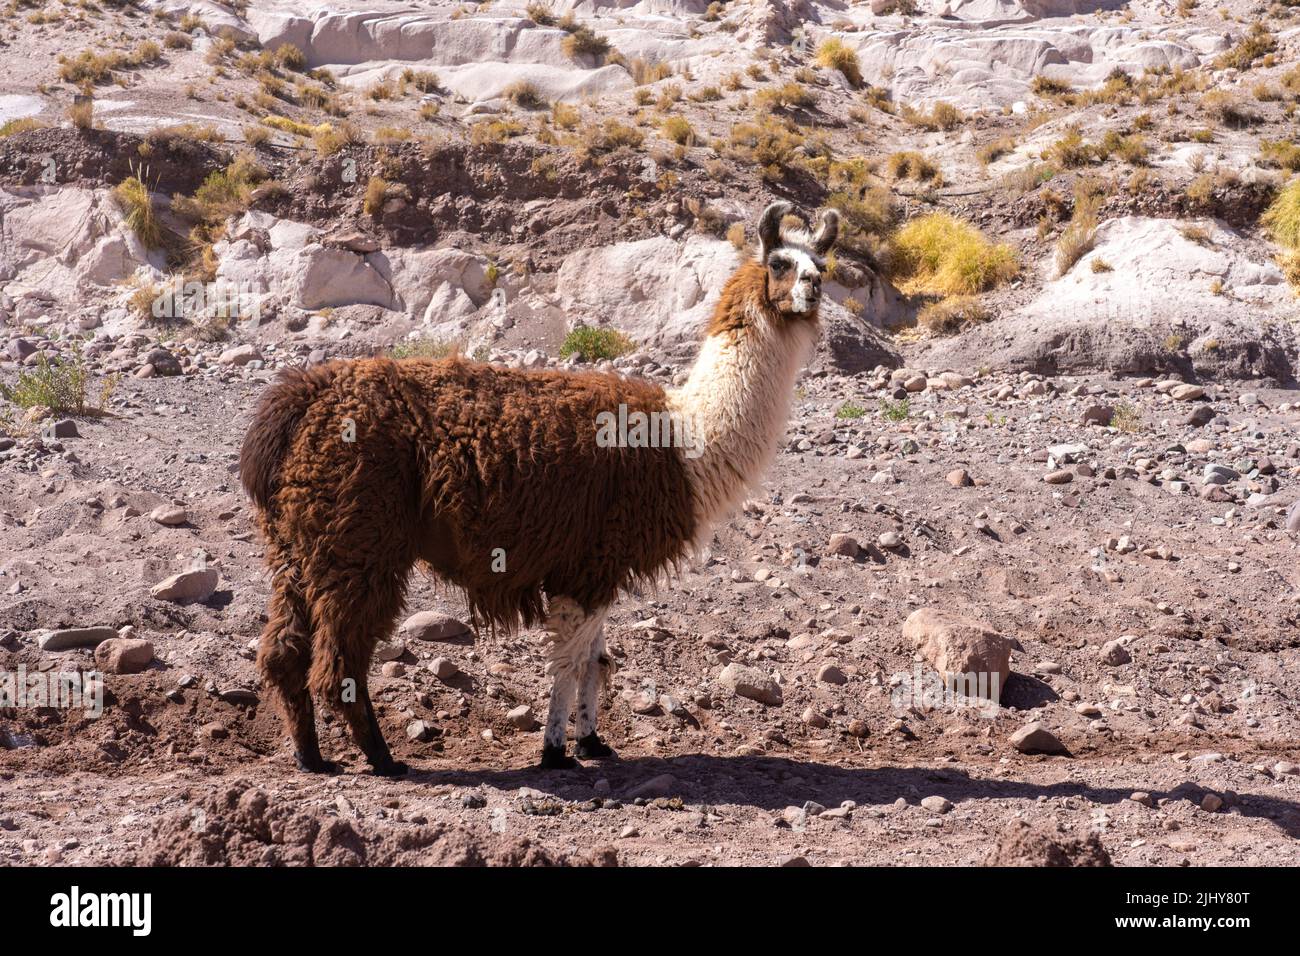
593,679
557,723
572,633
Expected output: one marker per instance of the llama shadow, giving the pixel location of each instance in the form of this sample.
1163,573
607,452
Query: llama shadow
774,783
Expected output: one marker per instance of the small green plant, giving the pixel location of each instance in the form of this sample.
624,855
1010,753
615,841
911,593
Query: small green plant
1126,418
376,195
541,14
1283,217
1258,43
59,385
679,130
592,344
895,411
911,165
850,410
1080,235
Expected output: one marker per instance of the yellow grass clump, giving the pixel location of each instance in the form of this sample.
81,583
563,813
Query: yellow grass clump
939,254
834,54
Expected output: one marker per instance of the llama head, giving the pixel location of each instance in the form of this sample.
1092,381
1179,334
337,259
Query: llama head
795,259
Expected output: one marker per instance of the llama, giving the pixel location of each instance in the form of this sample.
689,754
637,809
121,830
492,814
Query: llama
493,480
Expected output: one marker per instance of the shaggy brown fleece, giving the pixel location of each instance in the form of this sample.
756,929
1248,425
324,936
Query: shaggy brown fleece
449,461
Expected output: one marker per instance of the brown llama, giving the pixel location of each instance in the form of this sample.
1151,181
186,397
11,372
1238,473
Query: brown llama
511,486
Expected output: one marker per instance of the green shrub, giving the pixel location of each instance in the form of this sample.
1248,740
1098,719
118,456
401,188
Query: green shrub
58,385
595,344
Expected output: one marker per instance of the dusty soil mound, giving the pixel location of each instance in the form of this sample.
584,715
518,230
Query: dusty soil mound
242,826
1027,845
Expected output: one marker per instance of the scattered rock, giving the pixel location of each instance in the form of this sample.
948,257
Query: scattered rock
844,544
891,540
188,587
433,626
1114,653
1034,738
830,674
1098,415
70,638
937,804
443,668
240,355
751,683
522,718
66,428
664,785
957,647
422,731
1023,844
170,515
123,655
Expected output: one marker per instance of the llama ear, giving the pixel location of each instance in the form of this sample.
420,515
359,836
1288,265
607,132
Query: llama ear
827,232
769,228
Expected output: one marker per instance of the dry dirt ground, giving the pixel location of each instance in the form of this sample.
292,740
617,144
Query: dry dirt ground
1205,707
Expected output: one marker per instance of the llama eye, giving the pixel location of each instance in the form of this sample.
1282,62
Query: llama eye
780,266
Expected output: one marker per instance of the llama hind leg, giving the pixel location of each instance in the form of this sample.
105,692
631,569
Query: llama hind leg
284,658
344,642
572,633
593,678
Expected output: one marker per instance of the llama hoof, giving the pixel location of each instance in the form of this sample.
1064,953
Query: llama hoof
554,758
392,768
591,747
316,765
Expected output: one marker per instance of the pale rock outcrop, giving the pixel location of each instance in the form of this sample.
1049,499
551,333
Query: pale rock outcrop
65,241
656,290
996,64
1221,301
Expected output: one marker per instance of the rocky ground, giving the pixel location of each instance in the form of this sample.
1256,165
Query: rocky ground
1144,573
1090,487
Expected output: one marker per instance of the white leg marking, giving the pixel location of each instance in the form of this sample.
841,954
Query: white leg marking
572,634
590,682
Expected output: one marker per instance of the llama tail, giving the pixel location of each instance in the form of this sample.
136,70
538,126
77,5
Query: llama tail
267,442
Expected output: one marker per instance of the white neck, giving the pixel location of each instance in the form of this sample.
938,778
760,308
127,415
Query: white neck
737,402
